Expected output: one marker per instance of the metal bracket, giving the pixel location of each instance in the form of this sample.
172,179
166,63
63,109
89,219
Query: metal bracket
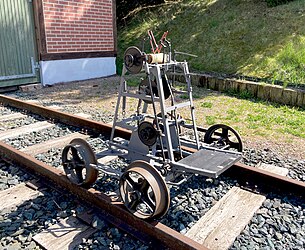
37,65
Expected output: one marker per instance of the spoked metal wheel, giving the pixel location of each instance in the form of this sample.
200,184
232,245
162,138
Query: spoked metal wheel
76,159
224,136
144,191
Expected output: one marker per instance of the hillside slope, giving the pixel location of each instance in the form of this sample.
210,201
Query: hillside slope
229,36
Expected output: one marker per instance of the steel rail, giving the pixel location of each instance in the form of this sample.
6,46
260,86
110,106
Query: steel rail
155,234
245,174
259,178
48,113
268,181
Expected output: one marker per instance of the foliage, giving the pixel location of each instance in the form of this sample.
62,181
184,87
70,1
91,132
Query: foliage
124,7
229,36
273,3
291,62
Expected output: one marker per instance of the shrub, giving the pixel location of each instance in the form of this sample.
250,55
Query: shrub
126,6
273,3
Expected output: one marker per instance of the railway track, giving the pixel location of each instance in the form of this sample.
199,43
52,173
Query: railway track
154,234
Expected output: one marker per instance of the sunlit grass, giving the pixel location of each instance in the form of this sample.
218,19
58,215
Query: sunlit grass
252,117
229,36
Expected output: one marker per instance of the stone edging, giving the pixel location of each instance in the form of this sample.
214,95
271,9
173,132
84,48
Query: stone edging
269,92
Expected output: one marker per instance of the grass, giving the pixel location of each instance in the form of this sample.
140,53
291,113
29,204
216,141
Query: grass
206,105
267,124
252,118
229,36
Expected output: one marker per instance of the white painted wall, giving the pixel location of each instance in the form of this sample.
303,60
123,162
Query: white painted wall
76,69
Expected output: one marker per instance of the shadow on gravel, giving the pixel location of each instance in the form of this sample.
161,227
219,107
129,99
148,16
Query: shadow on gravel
19,225
191,200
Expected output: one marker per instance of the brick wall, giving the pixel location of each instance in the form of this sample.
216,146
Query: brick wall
78,25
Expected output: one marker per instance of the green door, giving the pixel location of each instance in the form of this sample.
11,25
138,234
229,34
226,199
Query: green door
18,55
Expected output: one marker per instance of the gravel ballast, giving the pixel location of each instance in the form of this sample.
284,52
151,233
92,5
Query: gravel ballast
19,225
278,224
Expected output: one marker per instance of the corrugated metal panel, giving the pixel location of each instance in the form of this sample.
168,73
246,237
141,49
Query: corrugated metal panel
17,43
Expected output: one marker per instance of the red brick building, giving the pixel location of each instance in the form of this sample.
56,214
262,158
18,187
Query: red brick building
58,40
76,37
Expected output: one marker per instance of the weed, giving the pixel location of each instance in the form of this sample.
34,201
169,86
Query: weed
184,96
206,105
133,82
244,94
210,120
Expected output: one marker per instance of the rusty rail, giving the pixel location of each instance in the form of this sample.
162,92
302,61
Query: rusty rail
159,234
153,233
47,113
267,181
156,231
240,171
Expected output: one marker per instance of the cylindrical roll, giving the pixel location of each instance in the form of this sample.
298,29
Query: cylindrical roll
157,58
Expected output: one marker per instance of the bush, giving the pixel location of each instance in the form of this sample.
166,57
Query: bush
273,3
126,6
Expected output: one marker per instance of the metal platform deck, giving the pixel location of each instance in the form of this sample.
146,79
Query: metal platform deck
210,162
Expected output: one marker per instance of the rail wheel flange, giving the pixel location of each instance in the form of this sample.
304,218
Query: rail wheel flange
224,135
144,191
77,158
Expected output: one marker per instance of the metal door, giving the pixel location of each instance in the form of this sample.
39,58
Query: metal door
17,43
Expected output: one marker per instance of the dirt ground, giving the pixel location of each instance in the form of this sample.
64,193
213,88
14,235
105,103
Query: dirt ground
101,94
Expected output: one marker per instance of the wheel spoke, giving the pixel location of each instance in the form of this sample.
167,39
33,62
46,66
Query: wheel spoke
144,186
212,139
69,164
79,175
126,194
225,133
235,145
151,206
133,204
130,182
72,176
78,161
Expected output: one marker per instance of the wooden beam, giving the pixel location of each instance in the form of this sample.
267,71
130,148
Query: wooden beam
54,143
220,226
10,117
65,235
17,195
25,129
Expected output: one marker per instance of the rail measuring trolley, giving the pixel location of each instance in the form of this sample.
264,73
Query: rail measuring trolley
159,152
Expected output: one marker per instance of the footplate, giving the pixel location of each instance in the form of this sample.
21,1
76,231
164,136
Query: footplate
208,162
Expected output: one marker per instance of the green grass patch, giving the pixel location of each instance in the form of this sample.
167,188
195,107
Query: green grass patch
133,83
229,36
273,3
244,94
184,96
210,120
252,117
206,105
